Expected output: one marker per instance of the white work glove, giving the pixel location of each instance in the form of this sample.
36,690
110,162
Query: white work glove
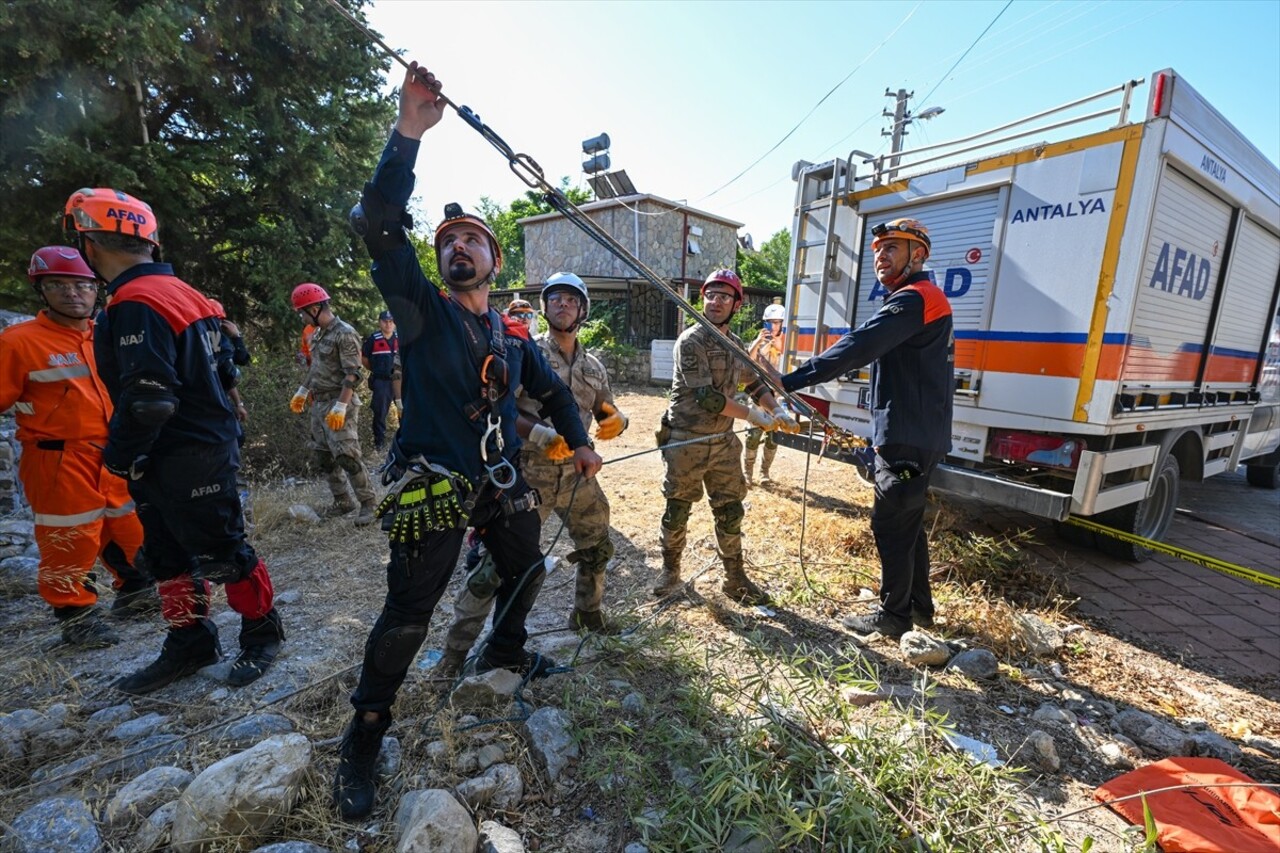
758,417
300,399
542,435
785,421
336,418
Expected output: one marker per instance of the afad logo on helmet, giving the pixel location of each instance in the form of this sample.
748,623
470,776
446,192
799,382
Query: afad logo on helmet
126,215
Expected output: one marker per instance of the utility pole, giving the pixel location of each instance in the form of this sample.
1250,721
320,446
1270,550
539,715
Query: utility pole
899,129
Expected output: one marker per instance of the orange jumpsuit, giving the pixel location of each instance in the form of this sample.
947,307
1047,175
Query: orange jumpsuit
82,512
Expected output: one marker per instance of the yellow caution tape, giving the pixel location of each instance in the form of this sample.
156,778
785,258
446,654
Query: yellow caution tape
1242,572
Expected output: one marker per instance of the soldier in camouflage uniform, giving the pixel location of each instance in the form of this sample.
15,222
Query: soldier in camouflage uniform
706,377
547,465
330,387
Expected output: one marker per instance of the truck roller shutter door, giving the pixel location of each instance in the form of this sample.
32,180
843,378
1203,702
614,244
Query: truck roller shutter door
1175,293
1243,323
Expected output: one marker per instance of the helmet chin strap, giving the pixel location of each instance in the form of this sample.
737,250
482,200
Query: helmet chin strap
904,274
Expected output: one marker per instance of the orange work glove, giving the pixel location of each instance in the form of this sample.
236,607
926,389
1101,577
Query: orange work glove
613,424
558,450
301,398
336,418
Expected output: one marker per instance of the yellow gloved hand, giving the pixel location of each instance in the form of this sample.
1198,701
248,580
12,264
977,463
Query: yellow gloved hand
393,415
613,424
301,398
558,450
784,421
336,418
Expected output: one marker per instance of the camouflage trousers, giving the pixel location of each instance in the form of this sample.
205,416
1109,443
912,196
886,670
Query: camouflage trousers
756,437
337,453
587,524
716,466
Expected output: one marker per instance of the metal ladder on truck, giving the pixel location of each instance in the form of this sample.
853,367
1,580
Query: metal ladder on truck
816,252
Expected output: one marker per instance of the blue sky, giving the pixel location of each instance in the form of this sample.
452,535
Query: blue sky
692,93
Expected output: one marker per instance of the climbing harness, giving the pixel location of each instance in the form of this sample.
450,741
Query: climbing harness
495,384
527,170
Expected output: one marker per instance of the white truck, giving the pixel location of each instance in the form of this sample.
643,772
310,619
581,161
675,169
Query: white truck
1114,297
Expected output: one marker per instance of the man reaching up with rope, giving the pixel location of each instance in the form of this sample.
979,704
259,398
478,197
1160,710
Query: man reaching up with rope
702,407
451,463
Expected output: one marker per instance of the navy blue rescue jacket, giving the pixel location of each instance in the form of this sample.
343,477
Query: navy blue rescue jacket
910,346
157,341
440,375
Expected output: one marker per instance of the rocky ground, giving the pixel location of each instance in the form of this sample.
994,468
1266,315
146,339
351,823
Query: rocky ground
504,766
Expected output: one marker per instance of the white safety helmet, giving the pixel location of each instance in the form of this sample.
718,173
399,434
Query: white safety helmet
567,281
775,312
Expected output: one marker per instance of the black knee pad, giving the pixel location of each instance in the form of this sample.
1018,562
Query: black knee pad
350,464
729,516
677,514
395,648
595,558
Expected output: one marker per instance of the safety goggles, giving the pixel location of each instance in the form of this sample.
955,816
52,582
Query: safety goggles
522,315
69,287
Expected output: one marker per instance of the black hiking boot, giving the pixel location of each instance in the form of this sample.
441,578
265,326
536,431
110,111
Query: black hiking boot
260,641
353,785
185,650
921,619
85,627
878,622
134,601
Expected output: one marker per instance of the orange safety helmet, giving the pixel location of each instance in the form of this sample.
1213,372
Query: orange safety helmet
453,217
727,277
307,294
58,260
902,229
103,209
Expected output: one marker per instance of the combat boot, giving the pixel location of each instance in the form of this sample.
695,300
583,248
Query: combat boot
670,582
450,664
85,627
260,641
185,650
367,514
353,786
738,586
339,508
588,620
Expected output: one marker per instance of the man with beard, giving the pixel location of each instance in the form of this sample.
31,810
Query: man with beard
707,375
910,346
545,461
452,461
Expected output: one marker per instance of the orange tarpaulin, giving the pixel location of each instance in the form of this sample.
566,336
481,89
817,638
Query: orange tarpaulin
1242,819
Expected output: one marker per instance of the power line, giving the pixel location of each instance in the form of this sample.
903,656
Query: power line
966,53
864,61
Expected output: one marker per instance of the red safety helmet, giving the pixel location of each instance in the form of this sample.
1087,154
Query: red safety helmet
58,260
307,294
103,209
728,278
455,217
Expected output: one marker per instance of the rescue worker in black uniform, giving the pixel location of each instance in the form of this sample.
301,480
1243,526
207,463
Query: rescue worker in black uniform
910,346
452,463
173,437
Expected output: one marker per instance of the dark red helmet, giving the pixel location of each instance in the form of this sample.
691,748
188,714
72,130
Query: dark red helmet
308,294
728,278
58,260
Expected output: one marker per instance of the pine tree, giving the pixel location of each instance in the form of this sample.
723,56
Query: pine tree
248,125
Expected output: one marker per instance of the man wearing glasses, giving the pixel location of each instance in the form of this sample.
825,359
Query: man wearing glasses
522,311
707,376
82,512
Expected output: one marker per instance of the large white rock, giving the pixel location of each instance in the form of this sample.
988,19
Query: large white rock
241,796
434,822
146,793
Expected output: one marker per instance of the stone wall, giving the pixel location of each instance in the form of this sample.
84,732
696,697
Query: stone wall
630,369
653,231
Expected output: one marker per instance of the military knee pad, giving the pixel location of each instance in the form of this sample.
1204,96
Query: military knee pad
350,464
729,516
483,580
595,558
677,514
395,648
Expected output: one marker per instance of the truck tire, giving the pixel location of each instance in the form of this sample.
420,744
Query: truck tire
1149,518
1263,476
1069,533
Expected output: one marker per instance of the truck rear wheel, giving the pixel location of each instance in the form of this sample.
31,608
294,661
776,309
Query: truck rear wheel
1263,476
1149,518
